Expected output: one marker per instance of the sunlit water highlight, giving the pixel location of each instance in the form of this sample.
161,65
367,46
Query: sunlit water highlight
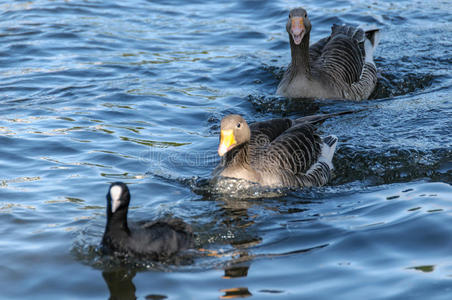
99,91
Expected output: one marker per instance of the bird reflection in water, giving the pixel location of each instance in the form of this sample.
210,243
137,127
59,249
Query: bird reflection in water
121,287
240,292
120,284
236,271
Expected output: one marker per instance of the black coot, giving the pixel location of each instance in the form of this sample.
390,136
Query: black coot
157,240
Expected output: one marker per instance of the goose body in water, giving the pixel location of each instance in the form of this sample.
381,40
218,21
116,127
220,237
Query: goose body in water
158,240
339,66
276,153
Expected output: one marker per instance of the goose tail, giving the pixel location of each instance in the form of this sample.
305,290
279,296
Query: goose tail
352,32
328,149
370,43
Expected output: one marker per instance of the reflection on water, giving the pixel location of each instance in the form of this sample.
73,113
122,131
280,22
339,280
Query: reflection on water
231,273
119,281
120,284
236,271
95,92
240,292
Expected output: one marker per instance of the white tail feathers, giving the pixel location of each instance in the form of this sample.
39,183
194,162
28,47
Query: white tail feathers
370,43
328,149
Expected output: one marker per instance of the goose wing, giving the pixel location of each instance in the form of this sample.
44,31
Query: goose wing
288,157
347,59
316,50
343,54
263,133
297,156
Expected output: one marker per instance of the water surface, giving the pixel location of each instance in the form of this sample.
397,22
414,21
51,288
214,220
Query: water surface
93,92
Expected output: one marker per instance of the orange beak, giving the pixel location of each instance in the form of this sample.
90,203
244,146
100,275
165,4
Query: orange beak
297,29
227,141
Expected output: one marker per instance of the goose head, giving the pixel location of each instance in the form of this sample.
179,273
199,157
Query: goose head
298,25
234,132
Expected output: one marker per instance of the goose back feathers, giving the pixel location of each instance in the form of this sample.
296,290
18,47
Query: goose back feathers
339,66
276,153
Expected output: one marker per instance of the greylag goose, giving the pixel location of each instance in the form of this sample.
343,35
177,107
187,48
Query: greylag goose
157,240
276,153
339,66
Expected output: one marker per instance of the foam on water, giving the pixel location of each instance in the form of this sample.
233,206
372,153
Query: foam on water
98,92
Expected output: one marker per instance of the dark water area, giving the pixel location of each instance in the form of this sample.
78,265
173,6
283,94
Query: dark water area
93,92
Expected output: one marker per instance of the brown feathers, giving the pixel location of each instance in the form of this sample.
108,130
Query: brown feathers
337,67
275,153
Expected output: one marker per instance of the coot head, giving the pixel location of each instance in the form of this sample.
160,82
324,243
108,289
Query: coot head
118,198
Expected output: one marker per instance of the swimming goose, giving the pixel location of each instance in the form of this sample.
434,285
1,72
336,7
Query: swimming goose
157,240
276,153
339,66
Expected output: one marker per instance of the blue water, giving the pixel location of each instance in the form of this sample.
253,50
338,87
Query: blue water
93,92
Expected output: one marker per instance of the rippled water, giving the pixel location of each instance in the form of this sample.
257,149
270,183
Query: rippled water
97,91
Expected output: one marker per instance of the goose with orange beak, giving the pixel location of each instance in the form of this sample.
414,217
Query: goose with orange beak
275,153
297,29
339,66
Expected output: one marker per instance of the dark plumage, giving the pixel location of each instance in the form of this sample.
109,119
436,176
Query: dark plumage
157,240
339,66
276,153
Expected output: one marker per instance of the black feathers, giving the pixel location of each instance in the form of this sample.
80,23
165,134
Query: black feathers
157,240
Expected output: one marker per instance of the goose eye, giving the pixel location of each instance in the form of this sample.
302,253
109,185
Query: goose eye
238,125
305,15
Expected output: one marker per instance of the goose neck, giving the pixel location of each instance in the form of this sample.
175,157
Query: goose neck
300,56
238,156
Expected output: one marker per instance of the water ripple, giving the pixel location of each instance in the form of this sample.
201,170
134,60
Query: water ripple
94,92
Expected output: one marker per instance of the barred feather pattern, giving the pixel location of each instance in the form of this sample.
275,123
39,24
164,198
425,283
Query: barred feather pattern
365,86
280,152
342,60
262,133
339,66
318,175
290,156
315,50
